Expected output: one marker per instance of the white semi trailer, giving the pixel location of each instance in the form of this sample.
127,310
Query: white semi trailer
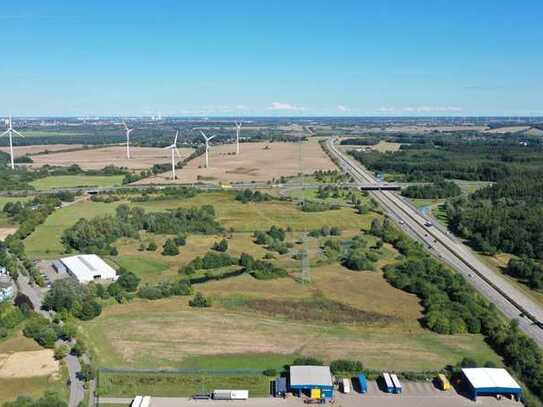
230,394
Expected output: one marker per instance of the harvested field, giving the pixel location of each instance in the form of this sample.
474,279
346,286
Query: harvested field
28,364
24,150
95,159
256,162
508,129
5,232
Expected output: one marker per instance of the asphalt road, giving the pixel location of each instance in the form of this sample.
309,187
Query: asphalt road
507,298
36,294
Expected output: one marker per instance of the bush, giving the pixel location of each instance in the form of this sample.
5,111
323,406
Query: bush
170,248
152,246
221,246
270,372
128,281
307,361
200,301
61,352
346,366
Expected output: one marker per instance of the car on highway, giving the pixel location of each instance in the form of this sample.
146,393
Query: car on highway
428,224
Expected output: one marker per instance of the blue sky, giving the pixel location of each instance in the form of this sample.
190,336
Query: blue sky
256,57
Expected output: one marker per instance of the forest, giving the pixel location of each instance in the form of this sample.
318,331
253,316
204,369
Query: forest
437,190
506,216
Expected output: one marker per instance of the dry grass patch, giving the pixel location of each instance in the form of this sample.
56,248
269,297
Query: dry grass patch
5,232
92,159
28,364
19,151
256,162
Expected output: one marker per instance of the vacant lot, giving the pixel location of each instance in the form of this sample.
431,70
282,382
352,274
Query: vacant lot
93,159
75,181
168,333
30,150
28,375
256,162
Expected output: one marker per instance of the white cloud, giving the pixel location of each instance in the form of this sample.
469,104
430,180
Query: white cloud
421,109
285,106
342,108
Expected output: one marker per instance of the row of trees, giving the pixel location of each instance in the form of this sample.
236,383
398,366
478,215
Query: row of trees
252,196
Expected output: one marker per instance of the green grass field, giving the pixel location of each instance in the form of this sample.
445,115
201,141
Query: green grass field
75,181
179,384
45,241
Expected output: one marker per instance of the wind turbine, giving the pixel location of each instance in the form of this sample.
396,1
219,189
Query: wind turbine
173,148
10,131
238,128
207,139
128,131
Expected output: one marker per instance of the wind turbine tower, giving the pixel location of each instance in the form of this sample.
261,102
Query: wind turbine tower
238,128
207,139
10,132
173,149
128,131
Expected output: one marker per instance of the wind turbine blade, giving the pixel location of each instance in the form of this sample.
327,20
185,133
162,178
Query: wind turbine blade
4,133
169,147
19,134
175,140
203,134
125,126
212,137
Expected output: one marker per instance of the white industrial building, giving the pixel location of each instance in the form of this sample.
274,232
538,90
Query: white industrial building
491,382
88,267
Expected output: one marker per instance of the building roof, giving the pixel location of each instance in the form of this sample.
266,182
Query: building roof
310,375
86,266
484,378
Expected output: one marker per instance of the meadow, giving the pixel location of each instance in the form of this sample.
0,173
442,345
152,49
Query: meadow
45,241
76,181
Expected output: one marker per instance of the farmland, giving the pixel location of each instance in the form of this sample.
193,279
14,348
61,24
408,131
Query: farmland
98,158
44,148
256,162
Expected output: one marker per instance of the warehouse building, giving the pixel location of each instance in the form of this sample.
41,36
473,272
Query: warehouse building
313,381
491,382
88,267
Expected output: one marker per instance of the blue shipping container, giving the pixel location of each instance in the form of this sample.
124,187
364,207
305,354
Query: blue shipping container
362,383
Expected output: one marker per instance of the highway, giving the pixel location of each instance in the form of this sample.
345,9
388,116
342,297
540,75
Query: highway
508,299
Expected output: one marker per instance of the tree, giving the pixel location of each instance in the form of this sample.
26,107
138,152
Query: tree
170,248
200,301
128,281
152,246
65,294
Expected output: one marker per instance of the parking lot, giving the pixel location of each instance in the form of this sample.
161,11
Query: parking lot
415,394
